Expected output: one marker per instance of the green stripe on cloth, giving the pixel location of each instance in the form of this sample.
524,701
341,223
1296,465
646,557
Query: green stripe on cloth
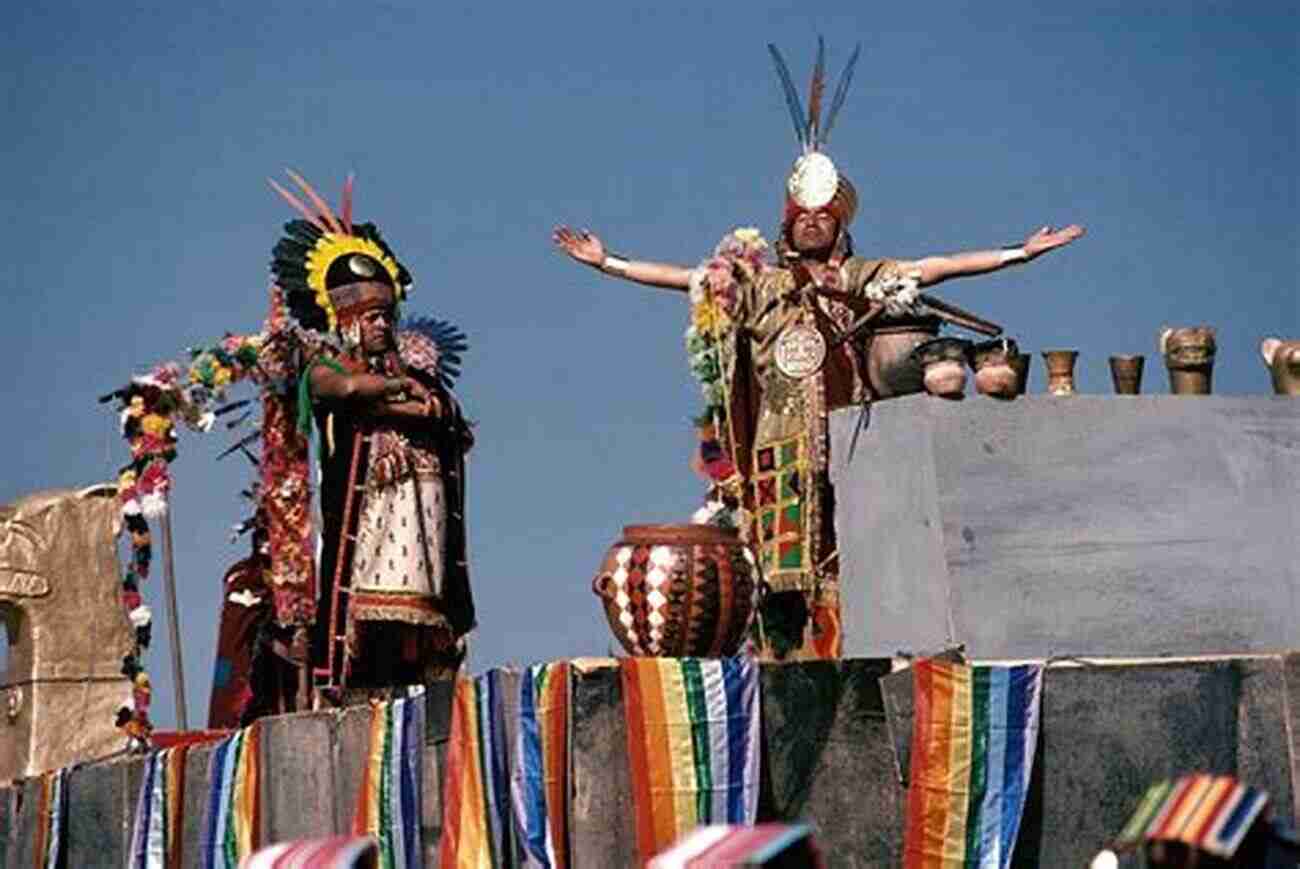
698,709
485,754
385,791
979,772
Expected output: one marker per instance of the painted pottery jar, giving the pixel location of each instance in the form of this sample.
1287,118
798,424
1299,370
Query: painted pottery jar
944,362
1060,371
1126,374
1283,361
1189,356
995,373
1020,364
678,590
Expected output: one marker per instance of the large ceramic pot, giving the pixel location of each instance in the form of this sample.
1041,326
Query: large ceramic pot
678,590
944,362
1189,356
995,372
1283,361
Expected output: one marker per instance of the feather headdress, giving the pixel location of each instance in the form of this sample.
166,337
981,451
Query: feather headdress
814,182
325,253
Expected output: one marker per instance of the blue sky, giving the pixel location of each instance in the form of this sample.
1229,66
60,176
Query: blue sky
136,140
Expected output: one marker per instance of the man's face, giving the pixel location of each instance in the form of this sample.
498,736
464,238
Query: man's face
377,330
814,231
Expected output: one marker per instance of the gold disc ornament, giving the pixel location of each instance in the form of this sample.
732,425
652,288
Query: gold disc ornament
800,351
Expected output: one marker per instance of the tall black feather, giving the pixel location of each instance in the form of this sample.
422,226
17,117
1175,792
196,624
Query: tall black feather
816,88
791,95
841,91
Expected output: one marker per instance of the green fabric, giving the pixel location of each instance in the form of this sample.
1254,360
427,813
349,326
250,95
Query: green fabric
698,709
304,391
979,773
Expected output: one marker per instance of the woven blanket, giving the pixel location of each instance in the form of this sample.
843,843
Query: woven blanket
51,819
1210,813
336,852
540,773
231,819
761,845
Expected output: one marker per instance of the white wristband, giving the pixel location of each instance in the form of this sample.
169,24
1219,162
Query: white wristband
1012,255
613,265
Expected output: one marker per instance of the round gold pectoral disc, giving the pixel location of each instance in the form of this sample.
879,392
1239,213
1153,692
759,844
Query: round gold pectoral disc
800,351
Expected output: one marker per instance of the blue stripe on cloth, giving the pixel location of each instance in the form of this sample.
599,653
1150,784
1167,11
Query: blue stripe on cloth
210,844
1238,823
532,797
740,685
143,805
396,832
991,851
500,770
1021,738
412,745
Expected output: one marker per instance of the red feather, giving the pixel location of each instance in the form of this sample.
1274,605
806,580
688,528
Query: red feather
297,205
345,207
322,206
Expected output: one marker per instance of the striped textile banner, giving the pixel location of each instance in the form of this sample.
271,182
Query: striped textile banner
476,819
1212,813
974,735
231,823
51,819
390,805
693,745
540,776
761,845
156,836
336,852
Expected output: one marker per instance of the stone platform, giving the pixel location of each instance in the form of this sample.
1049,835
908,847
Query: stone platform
1087,525
836,741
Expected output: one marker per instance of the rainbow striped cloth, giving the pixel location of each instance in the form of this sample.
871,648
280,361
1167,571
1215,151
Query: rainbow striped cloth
974,735
156,836
389,806
761,845
51,819
476,814
540,778
231,823
1212,813
693,745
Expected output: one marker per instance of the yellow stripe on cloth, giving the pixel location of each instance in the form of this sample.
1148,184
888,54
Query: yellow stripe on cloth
961,748
475,850
245,801
681,746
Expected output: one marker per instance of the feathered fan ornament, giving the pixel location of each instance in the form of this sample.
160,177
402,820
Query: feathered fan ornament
814,179
448,338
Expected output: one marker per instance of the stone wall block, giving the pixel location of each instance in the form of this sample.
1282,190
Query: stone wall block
298,790
602,829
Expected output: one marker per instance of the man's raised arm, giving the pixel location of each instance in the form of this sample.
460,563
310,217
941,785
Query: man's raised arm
589,250
936,269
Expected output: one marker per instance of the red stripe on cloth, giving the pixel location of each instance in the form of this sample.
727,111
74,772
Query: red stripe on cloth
457,758
637,754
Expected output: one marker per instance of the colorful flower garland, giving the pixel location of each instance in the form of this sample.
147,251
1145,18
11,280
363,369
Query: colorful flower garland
739,258
148,407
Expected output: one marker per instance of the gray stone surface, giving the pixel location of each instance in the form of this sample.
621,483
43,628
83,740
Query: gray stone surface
101,812
1120,526
298,789
602,829
828,759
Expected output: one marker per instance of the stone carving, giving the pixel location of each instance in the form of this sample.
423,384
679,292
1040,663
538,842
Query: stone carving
1189,356
61,608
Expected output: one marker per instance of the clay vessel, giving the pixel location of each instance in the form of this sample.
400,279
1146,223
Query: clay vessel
944,363
1060,371
995,375
891,366
1189,356
678,590
1283,361
1020,364
1126,374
